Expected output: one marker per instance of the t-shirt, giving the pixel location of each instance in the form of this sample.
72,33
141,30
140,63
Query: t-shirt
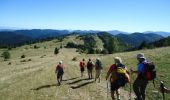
112,67
82,64
59,68
141,67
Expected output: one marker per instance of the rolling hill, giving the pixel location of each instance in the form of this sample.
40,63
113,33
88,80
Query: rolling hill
135,39
25,79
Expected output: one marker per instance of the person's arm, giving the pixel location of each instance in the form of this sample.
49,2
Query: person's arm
56,69
109,71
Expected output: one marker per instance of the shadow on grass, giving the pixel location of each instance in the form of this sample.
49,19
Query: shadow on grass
81,85
78,81
43,86
70,79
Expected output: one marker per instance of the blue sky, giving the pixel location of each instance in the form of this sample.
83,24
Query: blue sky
123,15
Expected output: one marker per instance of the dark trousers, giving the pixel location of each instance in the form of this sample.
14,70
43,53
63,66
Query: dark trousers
139,87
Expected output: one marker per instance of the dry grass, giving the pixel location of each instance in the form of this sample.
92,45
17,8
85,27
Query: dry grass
36,80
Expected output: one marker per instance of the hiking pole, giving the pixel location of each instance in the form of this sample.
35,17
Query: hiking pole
107,88
130,97
162,90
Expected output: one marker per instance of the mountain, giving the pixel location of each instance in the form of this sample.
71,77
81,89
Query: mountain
115,32
162,43
38,33
164,34
11,39
135,39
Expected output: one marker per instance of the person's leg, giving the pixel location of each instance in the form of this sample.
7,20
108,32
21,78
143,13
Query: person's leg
118,94
136,88
143,88
92,73
99,75
88,73
113,95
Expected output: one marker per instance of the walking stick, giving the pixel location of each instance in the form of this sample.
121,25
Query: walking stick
107,88
130,94
162,90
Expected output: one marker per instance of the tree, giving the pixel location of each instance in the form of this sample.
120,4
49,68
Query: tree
142,45
6,55
112,47
56,51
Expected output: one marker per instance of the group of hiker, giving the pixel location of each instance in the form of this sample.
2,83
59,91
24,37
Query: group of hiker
118,75
90,66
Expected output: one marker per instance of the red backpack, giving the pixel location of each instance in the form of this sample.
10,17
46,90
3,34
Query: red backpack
149,71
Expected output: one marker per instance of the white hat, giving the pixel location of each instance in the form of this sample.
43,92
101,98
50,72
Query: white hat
60,62
98,59
118,60
140,55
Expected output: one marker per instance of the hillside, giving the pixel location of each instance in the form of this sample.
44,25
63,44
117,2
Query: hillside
11,38
35,79
162,43
135,39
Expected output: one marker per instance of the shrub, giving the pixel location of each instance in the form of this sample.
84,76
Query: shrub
29,60
6,55
22,56
74,59
56,51
36,47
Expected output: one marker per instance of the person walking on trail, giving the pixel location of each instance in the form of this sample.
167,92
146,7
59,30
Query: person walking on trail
118,74
59,71
90,66
82,66
98,67
139,85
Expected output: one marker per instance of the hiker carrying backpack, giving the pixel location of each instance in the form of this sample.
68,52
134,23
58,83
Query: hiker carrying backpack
118,77
59,71
146,72
98,67
90,66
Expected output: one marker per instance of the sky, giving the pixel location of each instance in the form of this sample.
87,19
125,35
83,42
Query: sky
123,15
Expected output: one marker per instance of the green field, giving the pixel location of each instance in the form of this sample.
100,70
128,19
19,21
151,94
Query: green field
36,80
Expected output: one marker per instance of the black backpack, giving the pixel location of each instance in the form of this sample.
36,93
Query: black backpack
89,65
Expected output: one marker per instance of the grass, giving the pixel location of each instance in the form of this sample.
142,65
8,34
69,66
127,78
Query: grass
35,79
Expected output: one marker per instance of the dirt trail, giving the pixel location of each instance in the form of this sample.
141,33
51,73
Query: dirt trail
81,88
36,80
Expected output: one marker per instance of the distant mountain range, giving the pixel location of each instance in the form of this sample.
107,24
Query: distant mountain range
135,39
8,36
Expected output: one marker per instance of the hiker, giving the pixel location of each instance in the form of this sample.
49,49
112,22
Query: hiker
59,71
98,67
90,66
82,66
118,74
139,85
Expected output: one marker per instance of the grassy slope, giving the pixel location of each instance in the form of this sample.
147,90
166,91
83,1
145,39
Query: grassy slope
21,79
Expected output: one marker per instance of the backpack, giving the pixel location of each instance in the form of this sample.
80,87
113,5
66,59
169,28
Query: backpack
119,75
98,65
89,65
149,71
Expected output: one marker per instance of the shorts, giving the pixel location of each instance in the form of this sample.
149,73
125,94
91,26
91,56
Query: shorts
60,74
89,70
114,86
98,73
82,69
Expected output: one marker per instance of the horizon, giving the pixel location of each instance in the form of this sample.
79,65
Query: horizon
104,15
15,28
